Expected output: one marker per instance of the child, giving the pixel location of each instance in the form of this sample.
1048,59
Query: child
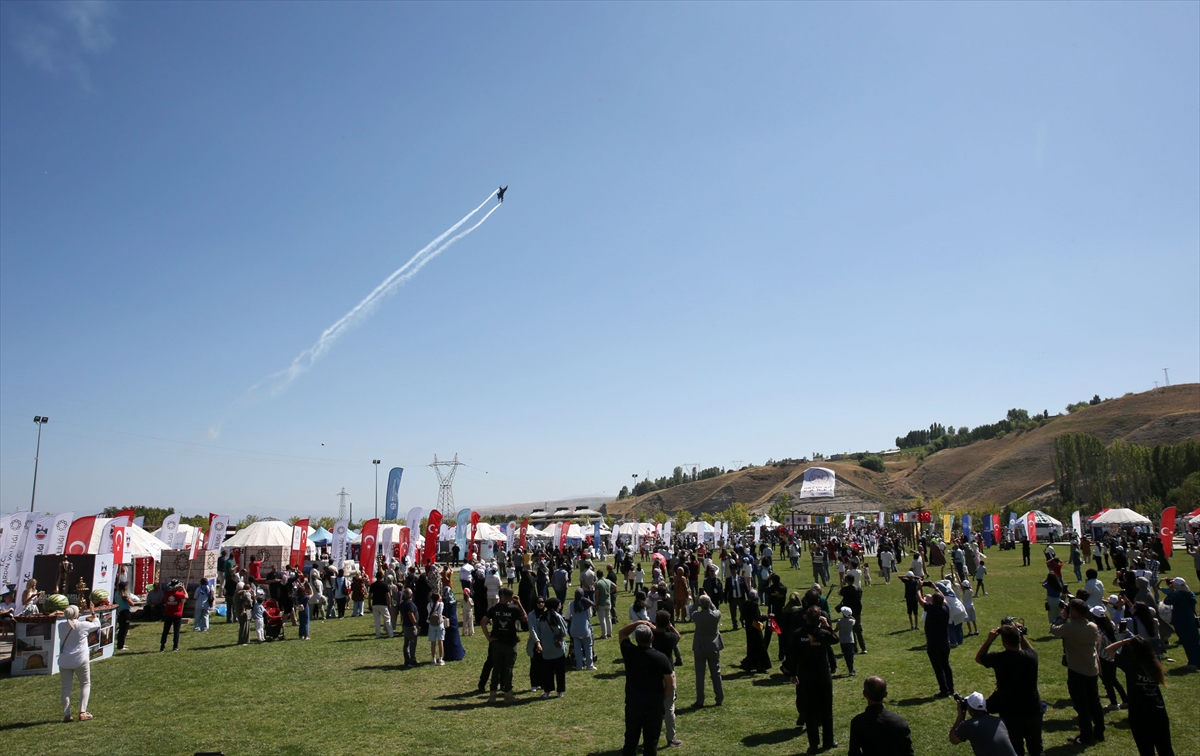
468,625
511,573
980,574
639,577
257,615
968,600
845,631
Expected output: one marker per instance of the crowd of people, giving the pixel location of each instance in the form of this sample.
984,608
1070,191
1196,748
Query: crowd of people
559,602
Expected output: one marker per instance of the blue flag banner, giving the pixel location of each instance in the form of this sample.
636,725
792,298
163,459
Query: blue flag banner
966,524
391,506
596,535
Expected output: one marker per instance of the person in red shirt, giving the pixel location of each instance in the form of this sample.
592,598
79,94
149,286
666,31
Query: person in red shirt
173,600
255,569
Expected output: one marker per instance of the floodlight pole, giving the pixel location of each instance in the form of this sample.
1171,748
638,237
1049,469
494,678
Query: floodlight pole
376,463
40,420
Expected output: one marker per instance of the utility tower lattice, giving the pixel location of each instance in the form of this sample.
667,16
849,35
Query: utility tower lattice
445,502
342,506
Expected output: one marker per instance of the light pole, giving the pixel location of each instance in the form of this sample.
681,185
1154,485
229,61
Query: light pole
376,463
40,422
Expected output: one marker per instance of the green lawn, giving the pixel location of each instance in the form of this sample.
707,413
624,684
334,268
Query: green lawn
343,692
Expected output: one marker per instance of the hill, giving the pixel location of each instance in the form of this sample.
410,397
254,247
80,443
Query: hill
998,471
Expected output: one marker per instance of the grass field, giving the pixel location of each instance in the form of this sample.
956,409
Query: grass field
344,692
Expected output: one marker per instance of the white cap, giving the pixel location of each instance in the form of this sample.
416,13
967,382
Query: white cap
911,574
977,702
1179,583
847,611
966,584
1114,600
1098,611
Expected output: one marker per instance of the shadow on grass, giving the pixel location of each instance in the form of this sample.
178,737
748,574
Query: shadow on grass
458,696
772,682
613,752
770,738
383,668
916,701
902,632
356,639
1059,725
917,648
1062,703
1180,671
483,705
24,725
607,676
211,648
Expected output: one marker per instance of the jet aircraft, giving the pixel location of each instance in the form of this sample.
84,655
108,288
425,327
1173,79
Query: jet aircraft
500,193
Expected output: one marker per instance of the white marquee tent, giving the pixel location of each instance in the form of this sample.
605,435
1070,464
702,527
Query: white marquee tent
699,528
188,531
139,543
265,533
1121,517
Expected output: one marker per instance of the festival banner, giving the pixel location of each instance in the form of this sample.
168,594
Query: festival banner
879,518
986,533
666,530
38,541
596,535
1167,531
216,532
925,516
849,521
996,528
13,525
818,483
1031,526
563,528
947,524
140,521
1075,524
180,540
405,543
369,536
143,574
966,525
431,536
474,532
118,551
197,539
58,534
524,530
413,521
462,524
79,537
170,526
510,530
338,548
123,519
757,531
385,546
299,543
391,502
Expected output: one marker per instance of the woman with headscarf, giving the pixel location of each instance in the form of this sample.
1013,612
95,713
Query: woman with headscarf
437,628
1148,720
551,632
807,664
756,659
204,602
1108,668
74,660
537,665
454,650
526,589
579,615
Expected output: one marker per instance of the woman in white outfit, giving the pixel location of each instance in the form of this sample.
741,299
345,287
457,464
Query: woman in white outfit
437,630
73,661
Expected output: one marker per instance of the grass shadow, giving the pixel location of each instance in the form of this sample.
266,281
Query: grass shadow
383,668
458,696
770,738
607,676
1059,725
1062,703
1180,671
24,725
483,705
916,701
357,639
772,682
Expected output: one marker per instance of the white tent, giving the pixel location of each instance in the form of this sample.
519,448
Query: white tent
139,543
265,533
189,532
488,532
1121,517
642,529
766,522
699,528
1195,521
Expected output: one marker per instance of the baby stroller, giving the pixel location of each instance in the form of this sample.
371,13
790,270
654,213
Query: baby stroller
272,620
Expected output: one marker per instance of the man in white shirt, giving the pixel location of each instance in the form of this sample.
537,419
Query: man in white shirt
466,574
886,562
1094,588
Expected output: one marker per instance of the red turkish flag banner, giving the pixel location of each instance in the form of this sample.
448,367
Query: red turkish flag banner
431,536
129,513
299,543
196,541
79,537
405,543
368,542
524,530
924,516
1167,531
474,532
563,527
1031,527
996,528
118,552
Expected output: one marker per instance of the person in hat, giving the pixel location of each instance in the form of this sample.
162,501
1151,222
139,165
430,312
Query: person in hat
845,631
8,607
1182,601
987,734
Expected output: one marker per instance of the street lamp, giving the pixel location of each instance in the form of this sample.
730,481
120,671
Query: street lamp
376,463
40,422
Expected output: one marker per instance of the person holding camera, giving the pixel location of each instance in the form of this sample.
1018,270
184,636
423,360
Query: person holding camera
1148,720
937,639
987,735
1080,637
807,664
1016,700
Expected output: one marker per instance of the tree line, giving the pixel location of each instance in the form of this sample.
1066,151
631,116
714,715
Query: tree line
939,436
677,478
1091,475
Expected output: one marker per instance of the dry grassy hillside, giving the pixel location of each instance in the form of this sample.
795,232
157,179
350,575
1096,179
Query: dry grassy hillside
1019,465
998,471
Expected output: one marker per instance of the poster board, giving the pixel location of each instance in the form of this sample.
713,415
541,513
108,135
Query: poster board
38,640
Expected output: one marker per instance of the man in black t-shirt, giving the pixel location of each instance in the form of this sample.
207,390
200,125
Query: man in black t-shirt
499,627
409,619
1016,699
937,641
649,685
852,599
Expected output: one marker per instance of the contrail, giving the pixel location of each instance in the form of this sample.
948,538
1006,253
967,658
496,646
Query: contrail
305,359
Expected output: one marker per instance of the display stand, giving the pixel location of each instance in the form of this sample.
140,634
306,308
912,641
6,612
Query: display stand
38,641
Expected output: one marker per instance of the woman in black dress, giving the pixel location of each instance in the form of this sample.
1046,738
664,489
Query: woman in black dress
807,662
756,659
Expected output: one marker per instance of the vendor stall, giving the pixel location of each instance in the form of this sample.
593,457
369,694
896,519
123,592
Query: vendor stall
38,641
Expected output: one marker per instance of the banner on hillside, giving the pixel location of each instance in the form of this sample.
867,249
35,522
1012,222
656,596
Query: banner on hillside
1167,531
431,536
947,524
818,483
339,542
391,502
217,526
299,543
170,526
368,541
1031,526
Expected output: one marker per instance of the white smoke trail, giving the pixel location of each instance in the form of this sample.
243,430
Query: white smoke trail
305,359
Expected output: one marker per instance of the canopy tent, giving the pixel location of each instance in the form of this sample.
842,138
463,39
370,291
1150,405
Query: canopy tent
1194,513
1043,520
321,537
699,528
766,522
386,527
1195,521
1121,517
139,543
189,532
488,532
641,529
265,533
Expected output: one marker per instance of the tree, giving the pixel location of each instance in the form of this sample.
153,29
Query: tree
659,517
624,493
683,518
246,521
871,462
781,507
1095,400
737,515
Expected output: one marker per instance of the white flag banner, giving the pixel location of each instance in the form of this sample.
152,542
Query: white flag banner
14,566
413,521
849,520
140,521
818,483
58,535
757,530
1075,522
385,546
14,528
512,533
216,532
339,542
170,526
666,533
106,535
37,542
179,540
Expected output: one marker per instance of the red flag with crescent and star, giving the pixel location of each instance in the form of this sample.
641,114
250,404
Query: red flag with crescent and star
431,536
1167,531
367,543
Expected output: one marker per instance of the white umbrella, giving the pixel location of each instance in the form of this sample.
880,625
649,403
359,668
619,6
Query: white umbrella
1121,517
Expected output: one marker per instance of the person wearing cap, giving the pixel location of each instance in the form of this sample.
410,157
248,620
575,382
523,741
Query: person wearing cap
987,735
1080,636
174,597
845,631
1016,699
877,731
1182,601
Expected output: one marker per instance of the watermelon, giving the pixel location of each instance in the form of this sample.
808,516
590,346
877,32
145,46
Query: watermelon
55,602
100,597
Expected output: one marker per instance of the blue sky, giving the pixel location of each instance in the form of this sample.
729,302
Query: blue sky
734,232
